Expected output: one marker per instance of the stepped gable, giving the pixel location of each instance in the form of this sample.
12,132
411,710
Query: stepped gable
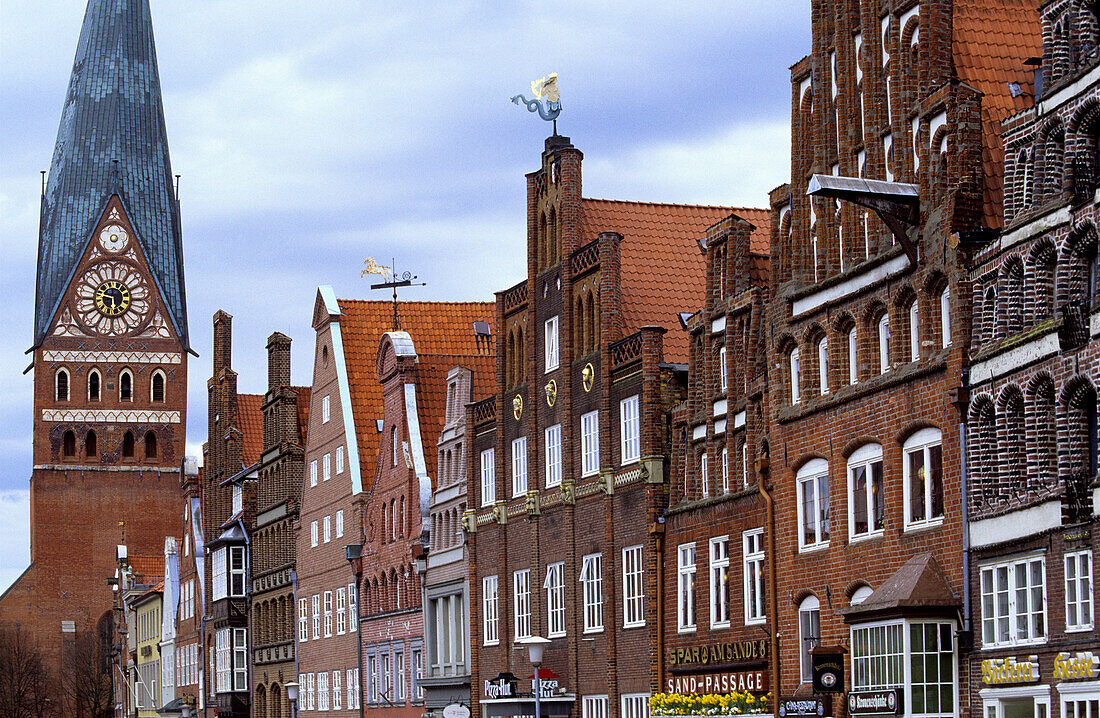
444,337
111,140
662,270
992,38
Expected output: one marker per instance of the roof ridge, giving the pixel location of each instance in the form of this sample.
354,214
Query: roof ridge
662,204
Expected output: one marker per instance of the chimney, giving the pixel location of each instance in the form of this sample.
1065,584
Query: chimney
278,361
223,341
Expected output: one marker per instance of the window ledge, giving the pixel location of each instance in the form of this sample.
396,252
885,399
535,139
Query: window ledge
588,631
1006,646
863,538
720,626
634,625
1083,629
692,629
756,621
813,548
914,528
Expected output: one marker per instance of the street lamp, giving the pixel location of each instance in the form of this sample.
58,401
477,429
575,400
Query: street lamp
292,696
535,646
185,711
353,552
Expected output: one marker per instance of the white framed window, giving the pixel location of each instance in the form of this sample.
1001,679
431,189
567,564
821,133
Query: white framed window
884,343
723,371
809,634
315,601
590,443
310,691
384,676
322,691
328,613
418,672
303,620
745,463
633,587
591,580
550,334
792,360
339,459
634,705
1014,602
720,582
853,356
313,533
922,469
324,410
490,616
945,316
220,575
336,694
813,504
552,443
350,676
629,436
339,523
865,492
519,466
555,599
328,528
823,365
372,678
353,608
914,331
399,674
704,474
488,478
326,467
914,657
238,499
521,603
236,571
1079,591
1078,701
341,612
313,473
752,557
685,589
594,707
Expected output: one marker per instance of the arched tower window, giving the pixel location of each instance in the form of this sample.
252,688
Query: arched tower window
68,444
61,385
128,445
91,446
150,445
93,385
157,388
125,385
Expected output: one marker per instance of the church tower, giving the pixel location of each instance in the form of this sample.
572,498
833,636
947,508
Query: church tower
110,337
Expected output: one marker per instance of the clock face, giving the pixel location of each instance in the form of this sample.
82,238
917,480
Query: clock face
112,298
113,238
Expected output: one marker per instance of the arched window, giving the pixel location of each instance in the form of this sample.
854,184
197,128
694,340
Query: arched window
1012,295
125,385
853,356
883,329
794,375
61,384
813,504
912,313
865,492
552,245
93,385
1043,263
922,469
128,445
1043,434
393,445
1011,437
823,364
68,444
1081,430
860,595
394,527
945,316
383,520
809,634
402,526
91,446
150,445
157,387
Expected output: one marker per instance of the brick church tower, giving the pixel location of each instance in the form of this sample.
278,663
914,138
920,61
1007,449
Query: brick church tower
110,337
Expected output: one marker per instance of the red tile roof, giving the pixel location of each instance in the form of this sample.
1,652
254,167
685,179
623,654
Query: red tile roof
444,337
662,269
992,38
149,568
303,393
250,420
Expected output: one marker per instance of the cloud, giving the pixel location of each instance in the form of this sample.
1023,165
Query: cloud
15,535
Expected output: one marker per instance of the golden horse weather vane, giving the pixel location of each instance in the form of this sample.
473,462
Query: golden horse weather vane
389,281
544,89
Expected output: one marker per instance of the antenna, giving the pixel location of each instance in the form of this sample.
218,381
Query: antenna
43,182
407,280
177,188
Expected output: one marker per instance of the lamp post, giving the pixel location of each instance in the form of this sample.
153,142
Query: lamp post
185,711
353,552
292,696
535,646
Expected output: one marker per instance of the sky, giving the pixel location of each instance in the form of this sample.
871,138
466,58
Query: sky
310,136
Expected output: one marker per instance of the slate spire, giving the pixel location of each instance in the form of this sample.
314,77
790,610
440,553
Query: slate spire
112,140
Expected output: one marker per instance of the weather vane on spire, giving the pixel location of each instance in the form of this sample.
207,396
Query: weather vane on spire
392,282
544,88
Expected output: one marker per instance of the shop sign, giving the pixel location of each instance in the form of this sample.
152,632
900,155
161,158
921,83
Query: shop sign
1071,666
725,682
503,686
549,684
726,652
828,672
862,703
792,707
1006,671
456,710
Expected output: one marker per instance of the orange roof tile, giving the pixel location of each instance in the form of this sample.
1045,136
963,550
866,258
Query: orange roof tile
303,393
662,269
150,568
992,38
444,337
250,420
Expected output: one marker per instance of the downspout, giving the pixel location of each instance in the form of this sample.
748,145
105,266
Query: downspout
248,601
965,527
659,536
359,638
773,603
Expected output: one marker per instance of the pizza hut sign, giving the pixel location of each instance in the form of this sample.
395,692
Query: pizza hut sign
503,686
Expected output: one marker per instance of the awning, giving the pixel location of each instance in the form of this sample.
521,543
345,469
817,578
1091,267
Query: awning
919,587
555,707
